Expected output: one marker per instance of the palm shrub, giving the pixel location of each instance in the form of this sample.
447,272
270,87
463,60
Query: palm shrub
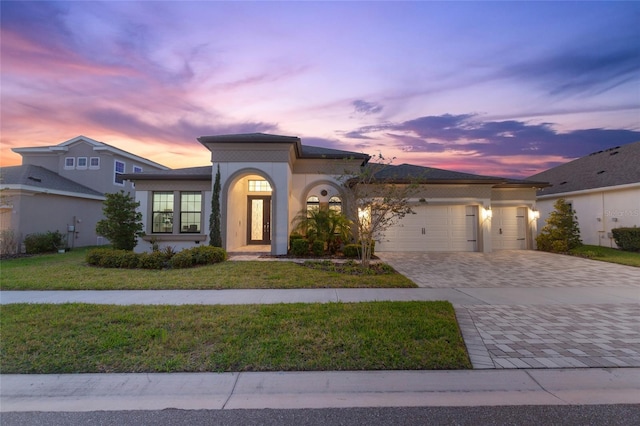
561,232
326,225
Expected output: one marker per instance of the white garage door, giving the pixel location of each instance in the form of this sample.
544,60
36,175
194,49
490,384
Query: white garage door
508,228
434,228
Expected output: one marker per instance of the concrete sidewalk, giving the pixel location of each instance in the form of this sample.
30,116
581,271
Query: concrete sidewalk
94,392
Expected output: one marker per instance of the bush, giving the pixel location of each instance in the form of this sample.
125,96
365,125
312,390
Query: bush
317,248
294,236
628,239
561,232
300,247
202,255
153,260
351,250
43,242
183,259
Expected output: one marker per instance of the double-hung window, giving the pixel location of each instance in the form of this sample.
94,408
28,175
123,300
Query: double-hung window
162,212
190,212
118,172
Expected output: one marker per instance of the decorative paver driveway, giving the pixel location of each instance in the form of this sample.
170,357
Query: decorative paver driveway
509,268
522,334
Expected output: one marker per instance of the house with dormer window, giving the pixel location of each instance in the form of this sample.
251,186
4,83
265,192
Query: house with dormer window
61,188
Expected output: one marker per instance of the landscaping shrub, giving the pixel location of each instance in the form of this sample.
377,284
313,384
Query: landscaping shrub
317,248
208,255
111,258
43,242
8,242
351,250
202,255
628,239
561,232
153,260
300,247
294,236
183,259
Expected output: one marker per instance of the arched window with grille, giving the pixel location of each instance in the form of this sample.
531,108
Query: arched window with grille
335,204
313,203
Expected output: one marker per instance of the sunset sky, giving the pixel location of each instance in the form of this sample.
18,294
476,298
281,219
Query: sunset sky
505,88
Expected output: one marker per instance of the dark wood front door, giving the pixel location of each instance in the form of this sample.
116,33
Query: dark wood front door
259,220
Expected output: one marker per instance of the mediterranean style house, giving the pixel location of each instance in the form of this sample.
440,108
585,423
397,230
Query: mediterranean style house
266,180
603,188
61,188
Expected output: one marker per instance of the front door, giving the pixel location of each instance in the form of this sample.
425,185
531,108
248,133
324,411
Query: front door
259,220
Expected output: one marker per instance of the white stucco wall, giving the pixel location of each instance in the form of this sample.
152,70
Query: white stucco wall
599,211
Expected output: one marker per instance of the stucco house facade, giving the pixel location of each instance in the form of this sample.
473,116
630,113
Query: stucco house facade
266,180
603,188
61,188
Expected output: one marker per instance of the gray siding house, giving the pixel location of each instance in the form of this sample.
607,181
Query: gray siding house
603,188
62,187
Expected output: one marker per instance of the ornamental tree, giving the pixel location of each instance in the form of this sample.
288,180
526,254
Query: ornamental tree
215,234
377,200
122,224
561,232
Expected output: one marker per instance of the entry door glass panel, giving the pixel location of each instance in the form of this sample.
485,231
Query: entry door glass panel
259,220
257,215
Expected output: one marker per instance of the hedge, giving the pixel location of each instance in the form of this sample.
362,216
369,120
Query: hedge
43,242
110,258
628,239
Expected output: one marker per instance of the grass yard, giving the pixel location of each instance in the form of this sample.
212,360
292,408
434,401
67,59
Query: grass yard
82,338
69,272
607,254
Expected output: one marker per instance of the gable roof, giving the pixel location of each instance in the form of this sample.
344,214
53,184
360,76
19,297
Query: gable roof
97,146
302,151
404,173
38,179
611,167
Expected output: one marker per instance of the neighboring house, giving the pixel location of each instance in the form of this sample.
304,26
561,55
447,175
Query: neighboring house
267,179
603,188
62,187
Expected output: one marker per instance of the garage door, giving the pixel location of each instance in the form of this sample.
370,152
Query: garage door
434,228
508,228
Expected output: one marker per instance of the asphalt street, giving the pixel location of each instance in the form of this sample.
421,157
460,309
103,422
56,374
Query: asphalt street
610,415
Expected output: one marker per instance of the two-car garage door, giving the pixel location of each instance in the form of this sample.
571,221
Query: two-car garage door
434,228
455,228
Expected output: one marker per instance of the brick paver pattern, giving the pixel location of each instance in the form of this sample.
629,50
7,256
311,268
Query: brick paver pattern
560,336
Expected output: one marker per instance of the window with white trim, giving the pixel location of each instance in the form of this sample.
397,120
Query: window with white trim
137,169
94,163
162,212
190,212
69,163
119,168
82,163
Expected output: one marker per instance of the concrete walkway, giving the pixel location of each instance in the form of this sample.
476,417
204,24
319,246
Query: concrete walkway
528,320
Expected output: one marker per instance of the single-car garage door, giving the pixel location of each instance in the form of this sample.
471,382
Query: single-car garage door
508,228
434,228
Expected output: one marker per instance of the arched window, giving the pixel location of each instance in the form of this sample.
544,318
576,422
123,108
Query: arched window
313,203
335,204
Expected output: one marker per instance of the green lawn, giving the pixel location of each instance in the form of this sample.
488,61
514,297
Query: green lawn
81,338
69,271
607,254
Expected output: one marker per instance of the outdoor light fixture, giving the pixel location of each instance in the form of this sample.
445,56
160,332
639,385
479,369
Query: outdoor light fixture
486,213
